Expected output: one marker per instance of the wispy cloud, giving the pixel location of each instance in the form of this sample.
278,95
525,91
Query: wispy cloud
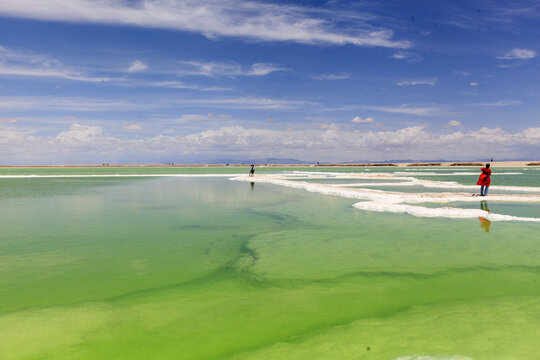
431,81
20,63
214,18
249,103
24,103
358,119
406,109
132,127
51,103
211,115
409,57
341,76
8,121
497,104
329,127
165,84
227,69
188,118
518,54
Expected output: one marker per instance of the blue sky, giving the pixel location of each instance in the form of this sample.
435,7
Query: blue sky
192,81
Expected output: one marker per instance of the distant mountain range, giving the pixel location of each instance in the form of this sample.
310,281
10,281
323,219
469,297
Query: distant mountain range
288,161
259,161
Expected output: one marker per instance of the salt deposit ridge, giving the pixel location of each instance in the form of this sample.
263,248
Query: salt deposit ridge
402,202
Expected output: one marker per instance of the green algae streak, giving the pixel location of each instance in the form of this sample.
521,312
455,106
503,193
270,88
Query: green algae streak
207,268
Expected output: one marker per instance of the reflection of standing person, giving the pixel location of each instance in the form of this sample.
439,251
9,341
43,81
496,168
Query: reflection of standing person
252,171
484,206
484,180
484,223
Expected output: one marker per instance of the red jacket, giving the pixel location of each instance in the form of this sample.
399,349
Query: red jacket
484,178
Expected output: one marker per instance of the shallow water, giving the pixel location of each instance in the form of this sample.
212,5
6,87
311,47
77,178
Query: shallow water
208,268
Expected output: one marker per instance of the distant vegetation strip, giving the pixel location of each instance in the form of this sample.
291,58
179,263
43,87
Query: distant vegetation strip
467,164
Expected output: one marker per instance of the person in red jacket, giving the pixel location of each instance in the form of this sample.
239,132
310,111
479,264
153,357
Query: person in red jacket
484,180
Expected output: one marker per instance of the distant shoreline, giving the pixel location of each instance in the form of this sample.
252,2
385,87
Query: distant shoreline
416,164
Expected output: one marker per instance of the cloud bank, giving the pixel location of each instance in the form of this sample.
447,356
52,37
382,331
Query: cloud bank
87,144
214,18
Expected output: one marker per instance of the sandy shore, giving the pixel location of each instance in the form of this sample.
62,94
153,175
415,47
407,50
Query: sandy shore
419,164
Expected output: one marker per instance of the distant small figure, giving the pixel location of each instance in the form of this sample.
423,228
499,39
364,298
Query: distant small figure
252,171
491,159
484,180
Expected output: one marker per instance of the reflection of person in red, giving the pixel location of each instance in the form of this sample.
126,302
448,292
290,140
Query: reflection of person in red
485,223
484,180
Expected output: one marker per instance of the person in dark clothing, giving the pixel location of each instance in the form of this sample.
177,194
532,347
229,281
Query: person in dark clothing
252,171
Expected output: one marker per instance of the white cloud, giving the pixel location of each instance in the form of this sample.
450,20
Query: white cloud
406,109
227,69
518,54
430,81
49,103
11,135
215,18
24,103
248,103
454,123
170,84
80,134
5,120
464,73
137,66
20,63
331,76
358,119
407,56
263,69
211,115
497,104
188,118
332,126
133,127
532,135
473,83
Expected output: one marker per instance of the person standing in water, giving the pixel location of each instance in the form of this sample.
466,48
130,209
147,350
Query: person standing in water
484,180
252,171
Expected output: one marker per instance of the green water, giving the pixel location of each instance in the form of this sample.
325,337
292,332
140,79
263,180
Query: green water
207,268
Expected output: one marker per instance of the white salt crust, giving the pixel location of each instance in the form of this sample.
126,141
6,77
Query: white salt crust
400,202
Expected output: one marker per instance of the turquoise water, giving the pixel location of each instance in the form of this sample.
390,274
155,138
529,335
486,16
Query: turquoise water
208,268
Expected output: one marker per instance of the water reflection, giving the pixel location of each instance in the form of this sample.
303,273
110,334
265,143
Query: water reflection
484,223
252,185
